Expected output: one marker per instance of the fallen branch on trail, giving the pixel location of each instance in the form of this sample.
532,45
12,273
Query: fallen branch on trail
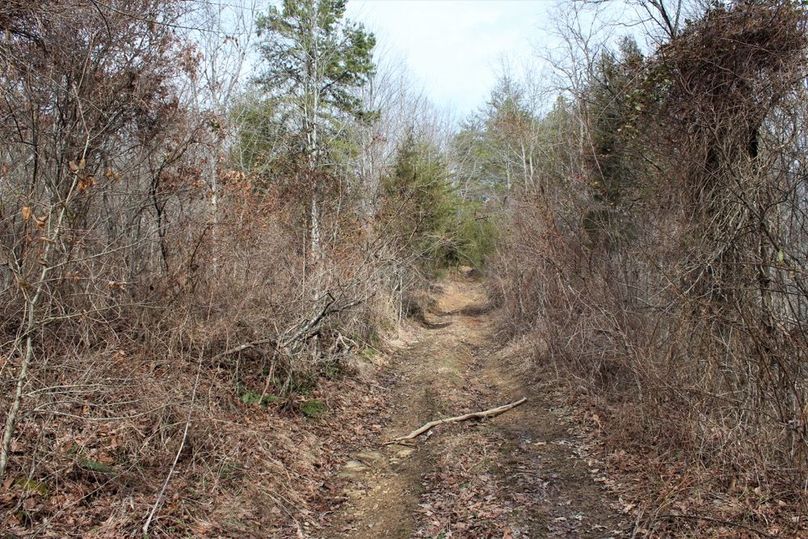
493,412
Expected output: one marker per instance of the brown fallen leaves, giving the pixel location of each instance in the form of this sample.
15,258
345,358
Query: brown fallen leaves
246,470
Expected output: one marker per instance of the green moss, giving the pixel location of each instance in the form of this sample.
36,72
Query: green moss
313,408
95,466
253,398
31,485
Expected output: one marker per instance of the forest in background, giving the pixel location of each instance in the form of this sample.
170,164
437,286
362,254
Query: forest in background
211,214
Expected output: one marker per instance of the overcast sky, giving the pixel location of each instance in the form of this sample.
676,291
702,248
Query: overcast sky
455,48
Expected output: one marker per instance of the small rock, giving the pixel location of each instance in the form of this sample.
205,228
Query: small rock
405,452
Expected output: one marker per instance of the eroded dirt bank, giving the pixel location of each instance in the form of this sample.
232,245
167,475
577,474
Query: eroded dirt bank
521,474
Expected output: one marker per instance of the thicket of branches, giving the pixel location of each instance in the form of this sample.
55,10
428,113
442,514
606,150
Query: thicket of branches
180,242
658,256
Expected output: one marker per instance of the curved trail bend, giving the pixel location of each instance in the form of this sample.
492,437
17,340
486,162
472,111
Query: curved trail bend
521,474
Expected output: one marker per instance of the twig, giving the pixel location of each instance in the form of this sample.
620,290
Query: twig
245,346
177,456
476,415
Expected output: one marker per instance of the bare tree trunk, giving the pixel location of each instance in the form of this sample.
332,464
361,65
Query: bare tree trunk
313,148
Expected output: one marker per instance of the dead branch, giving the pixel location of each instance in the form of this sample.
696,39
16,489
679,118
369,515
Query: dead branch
302,332
245,346
493,412
310,327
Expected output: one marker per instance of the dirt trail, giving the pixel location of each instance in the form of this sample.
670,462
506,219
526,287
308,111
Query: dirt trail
521,474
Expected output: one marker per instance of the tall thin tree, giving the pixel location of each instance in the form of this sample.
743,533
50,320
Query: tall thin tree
314,61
